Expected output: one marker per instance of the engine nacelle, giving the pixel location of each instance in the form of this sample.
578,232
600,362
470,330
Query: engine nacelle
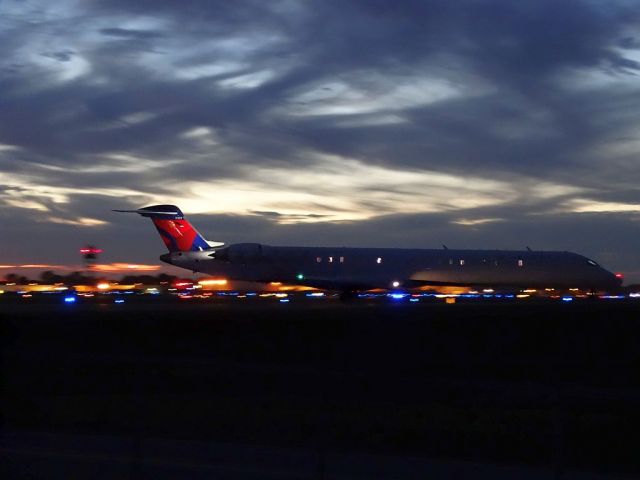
241,253
186,259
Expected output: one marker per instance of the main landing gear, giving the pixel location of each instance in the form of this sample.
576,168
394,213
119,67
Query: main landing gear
348,296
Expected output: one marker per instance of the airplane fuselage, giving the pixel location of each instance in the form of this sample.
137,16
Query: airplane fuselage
362,268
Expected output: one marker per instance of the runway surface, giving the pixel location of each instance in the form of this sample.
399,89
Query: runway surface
547,388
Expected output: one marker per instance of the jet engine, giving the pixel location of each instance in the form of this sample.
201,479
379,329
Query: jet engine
239,253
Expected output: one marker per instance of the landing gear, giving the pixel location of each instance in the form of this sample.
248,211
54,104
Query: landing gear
348,296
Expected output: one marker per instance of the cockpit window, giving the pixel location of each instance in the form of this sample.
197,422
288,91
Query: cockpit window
592,263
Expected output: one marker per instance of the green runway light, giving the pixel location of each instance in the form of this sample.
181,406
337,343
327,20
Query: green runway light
300,276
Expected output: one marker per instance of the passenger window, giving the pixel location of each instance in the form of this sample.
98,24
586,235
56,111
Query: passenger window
520,262
379,260
318,259
341,259
461,262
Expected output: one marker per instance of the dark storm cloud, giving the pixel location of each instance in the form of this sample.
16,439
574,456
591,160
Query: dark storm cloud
111,102
519,47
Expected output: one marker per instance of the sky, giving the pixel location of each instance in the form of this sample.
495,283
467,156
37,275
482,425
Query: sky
475,124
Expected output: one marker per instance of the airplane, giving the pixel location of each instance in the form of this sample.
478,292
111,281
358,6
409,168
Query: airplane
349,270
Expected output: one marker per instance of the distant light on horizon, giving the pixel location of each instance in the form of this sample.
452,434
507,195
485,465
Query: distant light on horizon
124,267
99,267
36,265
213,281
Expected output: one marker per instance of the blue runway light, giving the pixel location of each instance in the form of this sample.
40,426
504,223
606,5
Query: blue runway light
414,299
284,300
119,300
70,299
397,296
567,299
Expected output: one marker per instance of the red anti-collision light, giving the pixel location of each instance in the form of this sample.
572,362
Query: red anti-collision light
619,275
85,251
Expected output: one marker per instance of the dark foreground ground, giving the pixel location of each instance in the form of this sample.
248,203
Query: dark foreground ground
317,389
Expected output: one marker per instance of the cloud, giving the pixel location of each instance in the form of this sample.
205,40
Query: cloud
320,116
79,222
580,205
129,33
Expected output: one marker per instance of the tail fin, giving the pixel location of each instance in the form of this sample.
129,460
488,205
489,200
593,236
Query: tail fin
176,232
